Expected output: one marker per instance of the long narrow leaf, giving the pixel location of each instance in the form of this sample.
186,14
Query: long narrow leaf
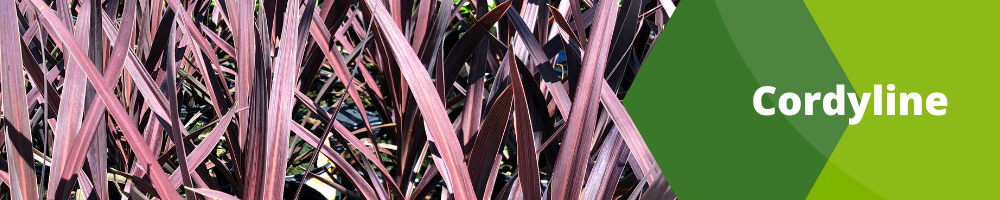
609,165
282,98
487,142
15,110
527,163
559,94
627,128
571,161
438,124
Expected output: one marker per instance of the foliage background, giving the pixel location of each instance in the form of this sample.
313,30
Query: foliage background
343,99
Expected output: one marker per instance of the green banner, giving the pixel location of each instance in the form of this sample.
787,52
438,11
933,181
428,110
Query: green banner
694,101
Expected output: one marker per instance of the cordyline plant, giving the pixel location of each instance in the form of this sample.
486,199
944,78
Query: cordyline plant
341,99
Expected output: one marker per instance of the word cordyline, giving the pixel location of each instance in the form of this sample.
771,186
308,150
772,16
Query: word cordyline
327,99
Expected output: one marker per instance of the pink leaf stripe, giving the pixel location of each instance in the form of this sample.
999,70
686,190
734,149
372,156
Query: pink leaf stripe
18,142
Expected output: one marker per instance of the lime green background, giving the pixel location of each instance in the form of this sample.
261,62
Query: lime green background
692,101
921,46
